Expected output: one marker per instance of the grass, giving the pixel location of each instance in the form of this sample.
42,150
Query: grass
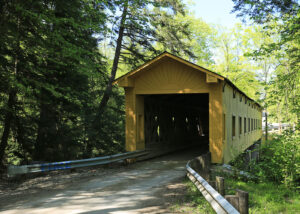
264,198
193,201
196,198
278,163
267,197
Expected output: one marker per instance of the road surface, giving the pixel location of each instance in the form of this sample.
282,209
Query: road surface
136,190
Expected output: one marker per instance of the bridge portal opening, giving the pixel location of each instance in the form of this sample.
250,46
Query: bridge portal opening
176,121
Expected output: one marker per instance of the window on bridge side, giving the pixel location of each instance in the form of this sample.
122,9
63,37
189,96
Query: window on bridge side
245,125
224,126
240,125
233,126
248,124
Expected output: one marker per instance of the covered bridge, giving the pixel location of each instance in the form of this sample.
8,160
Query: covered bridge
172,102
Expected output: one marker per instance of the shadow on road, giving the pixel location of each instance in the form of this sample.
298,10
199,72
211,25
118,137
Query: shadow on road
139,188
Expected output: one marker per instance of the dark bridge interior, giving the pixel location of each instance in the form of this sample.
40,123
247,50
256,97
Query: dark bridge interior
176,120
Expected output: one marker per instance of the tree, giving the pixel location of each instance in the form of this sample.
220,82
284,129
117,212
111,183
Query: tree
232,61
198,38
15,59
135,35
266,64
279,17
48,54
72,58
53,75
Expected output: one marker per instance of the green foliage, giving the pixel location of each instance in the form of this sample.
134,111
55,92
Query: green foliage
195,197
279,19
279,161
232,61
49,67
56,56
53,75
266,197
274,189
173,30
149,29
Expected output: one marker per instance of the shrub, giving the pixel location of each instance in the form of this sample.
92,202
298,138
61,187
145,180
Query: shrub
280,159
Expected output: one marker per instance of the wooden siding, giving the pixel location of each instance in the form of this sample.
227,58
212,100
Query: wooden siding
238,108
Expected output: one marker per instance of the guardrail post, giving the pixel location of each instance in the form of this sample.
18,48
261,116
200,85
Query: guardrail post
220,185
202,165
255,152
243,201
216,200
233,200
129,161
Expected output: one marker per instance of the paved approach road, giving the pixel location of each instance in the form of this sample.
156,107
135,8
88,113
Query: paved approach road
136,190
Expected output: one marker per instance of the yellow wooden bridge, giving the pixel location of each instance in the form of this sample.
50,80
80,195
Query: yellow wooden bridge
170,102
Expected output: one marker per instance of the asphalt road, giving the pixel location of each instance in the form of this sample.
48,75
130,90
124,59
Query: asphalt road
136,190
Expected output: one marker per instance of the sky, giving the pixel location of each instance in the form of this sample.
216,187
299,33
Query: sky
214,11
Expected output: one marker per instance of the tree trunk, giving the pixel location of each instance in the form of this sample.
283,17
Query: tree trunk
7,123
279,118
9,115
47,130
266,126
108,90
41,135
266,71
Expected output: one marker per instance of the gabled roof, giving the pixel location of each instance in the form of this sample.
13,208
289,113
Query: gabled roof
179,59
168,55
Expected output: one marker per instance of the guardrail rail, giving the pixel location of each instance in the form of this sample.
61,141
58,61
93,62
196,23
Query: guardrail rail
217,201
25,169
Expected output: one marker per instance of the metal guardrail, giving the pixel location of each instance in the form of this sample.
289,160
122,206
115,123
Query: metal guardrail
25,169
217,201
